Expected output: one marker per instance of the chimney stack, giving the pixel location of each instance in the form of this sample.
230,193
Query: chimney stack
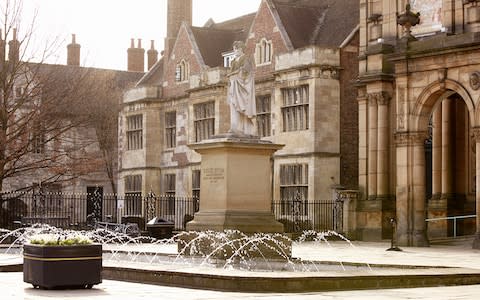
14,48
136,57
178,11
73,53
152,55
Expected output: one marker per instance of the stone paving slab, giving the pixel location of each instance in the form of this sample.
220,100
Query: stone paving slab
13,288
460,256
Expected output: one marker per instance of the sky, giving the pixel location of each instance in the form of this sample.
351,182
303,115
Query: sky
104,28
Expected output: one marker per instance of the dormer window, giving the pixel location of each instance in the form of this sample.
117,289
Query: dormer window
263,52
228,57
182,71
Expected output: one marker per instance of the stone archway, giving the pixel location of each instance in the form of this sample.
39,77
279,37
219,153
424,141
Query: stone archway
445,112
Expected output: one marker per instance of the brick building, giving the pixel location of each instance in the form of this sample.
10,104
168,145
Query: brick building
306,61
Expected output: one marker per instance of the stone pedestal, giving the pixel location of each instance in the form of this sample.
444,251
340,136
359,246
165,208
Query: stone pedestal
236,185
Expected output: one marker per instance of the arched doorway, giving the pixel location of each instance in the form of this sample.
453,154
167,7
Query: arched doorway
436,166
450,169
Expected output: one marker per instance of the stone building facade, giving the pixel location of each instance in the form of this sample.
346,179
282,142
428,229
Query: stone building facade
418,97
305,97
88,170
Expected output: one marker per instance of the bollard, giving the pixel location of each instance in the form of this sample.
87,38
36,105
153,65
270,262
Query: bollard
393,243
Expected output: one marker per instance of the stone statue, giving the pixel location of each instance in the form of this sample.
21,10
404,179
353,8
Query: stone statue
241,93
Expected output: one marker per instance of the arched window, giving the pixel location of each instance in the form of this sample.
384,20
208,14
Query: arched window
263,52
182,72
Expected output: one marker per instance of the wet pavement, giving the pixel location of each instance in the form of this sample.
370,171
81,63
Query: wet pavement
457,254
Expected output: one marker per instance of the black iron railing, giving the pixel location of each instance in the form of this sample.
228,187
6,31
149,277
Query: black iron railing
85,210
301,215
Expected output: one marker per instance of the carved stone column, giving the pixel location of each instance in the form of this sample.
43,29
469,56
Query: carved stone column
410,193
446,149
383,100
437,207
372,145
363,145
476,132
419,238
437,154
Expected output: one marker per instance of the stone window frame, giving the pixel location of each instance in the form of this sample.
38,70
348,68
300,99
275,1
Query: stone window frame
295,108
264,115
37,139
169,184
263,52
204,120
182,71
134,132
171,129
294,188
196,175
133,194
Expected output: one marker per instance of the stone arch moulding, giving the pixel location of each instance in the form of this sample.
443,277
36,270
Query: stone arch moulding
428,99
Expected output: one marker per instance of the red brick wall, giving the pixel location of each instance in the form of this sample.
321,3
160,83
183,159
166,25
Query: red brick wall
263,26
181,50
349,115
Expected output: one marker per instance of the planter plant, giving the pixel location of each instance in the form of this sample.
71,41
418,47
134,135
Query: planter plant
52,261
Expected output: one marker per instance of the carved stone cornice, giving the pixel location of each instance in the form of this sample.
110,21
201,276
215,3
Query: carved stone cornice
380,98
410,138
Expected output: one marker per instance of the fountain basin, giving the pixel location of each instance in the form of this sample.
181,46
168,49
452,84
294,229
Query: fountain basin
291,282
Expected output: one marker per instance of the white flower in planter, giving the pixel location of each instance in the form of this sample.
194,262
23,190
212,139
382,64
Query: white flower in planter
59,240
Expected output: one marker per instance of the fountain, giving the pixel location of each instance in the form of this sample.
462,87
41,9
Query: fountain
230,249
235,262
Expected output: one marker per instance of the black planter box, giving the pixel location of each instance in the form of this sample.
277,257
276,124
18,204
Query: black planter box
52,267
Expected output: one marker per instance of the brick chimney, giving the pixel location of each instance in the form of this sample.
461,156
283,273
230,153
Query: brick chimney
152,55
14,48
136,57
73,53
178,11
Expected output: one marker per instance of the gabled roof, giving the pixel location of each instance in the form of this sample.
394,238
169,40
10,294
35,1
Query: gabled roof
154,76
67,72
213,42
317,22
240,23
215,38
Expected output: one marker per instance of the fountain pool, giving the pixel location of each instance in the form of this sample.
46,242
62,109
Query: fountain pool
235,262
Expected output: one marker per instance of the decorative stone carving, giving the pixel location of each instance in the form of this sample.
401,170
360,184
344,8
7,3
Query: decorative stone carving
328,72
475,80
380,98
476,134
401,108
401,117
407,20
410,138
442,74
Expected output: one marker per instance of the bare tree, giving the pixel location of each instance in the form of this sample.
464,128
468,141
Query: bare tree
41,109
103,112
